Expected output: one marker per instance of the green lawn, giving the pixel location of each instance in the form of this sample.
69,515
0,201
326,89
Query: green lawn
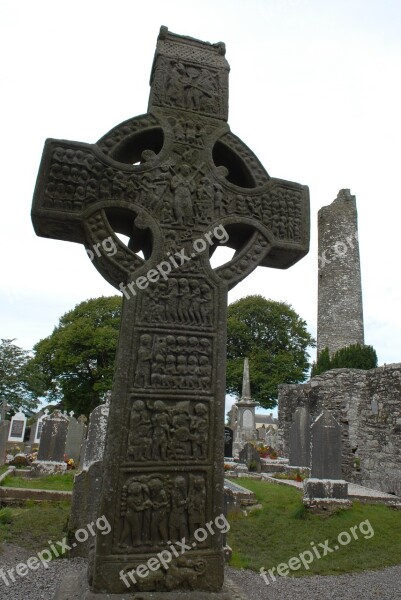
283,529
62,482
3,469
33,525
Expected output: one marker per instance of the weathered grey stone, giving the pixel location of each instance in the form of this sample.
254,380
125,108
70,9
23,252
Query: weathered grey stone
340,313
245,427
172,180
326,447
4,431
228,442
85,506
96,438
53,437
325,488
75,437
75,587
250,456
371,443
300,438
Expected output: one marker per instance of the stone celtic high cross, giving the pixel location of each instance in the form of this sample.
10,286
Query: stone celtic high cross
178,183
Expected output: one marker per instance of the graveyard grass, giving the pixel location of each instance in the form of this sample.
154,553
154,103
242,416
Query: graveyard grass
32,524
62,482
283,529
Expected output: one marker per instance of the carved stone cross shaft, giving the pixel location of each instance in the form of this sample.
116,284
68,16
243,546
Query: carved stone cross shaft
177,182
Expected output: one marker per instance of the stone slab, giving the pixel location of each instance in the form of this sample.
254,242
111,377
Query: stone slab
325,489
300,434
75,587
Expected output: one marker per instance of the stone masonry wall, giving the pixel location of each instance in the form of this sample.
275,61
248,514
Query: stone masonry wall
367,404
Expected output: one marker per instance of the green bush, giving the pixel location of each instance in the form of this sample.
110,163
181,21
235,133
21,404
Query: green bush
355,356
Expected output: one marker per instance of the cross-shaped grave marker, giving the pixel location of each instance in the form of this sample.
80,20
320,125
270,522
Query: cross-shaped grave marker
178,183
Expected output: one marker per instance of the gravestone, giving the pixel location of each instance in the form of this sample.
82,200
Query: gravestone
53,440
88,483
96,437
228,442
75,437
177,182
4,432
300,438
250,456
326,447
36,429
17,427
325,486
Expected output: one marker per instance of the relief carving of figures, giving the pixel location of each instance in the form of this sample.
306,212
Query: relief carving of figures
196,503
160,432
140,435
192,88
144,367
136,508
280,211
183,186
158,509
199,431
178,525
180,300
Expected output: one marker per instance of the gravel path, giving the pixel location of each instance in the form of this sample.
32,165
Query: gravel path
35,585
370,585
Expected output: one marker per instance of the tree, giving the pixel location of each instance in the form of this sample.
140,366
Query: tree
19,384
274,338
354,356
77,360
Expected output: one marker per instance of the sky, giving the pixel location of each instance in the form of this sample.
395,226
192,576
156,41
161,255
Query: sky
315,92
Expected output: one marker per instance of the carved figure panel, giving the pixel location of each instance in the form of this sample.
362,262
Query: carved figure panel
175,362
186,301
160,508
161,430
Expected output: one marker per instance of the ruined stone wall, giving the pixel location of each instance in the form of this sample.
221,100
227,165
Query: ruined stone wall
367,404
340,314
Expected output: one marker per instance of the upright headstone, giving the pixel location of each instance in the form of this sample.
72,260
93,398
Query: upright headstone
300,438
17,427
53,441
75,437
96,438
88,482
36,429
4,431
326,447
325,486
172,180
228,442
250,456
